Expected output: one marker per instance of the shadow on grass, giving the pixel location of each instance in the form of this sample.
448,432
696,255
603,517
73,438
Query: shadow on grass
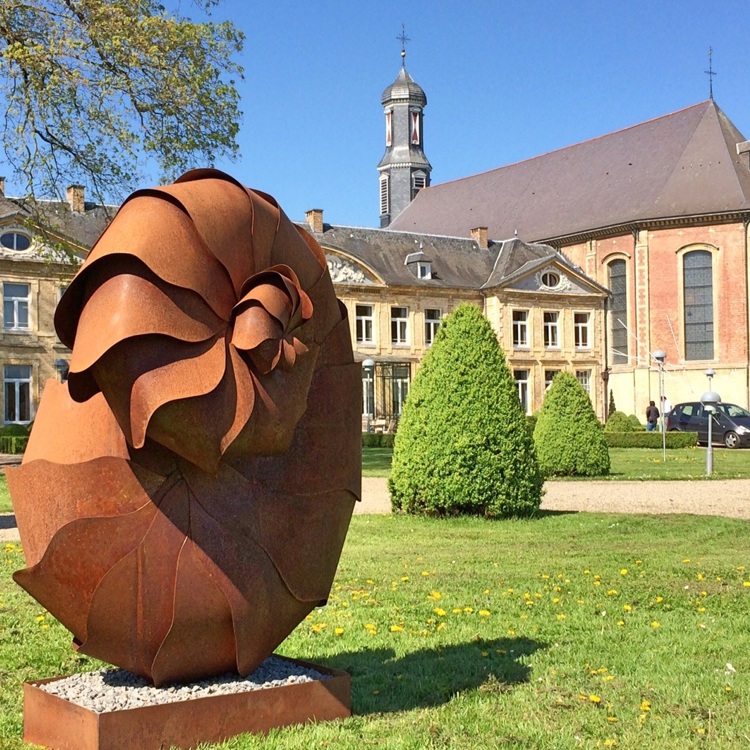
383,682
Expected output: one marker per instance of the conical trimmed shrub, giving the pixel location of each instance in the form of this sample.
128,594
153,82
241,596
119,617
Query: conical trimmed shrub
569,439
463,446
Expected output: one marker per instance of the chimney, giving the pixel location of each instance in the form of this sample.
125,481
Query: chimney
743,151
2,187
314,219
75,198
479,235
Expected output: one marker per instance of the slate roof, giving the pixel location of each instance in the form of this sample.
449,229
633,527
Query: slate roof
82,228
404,87
457,262
680,165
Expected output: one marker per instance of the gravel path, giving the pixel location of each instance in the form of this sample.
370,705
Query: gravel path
716,497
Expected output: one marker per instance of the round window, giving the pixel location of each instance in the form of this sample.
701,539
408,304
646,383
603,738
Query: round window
15,241
550,278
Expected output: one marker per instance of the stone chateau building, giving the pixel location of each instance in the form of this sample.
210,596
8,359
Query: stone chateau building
585,259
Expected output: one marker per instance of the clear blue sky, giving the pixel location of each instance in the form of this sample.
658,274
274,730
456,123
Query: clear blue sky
504,81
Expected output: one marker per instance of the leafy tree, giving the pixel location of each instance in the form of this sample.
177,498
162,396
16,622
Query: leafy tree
619,422
568,436
98,91
463,445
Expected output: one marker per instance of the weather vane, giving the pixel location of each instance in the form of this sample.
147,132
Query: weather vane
710,73
403,39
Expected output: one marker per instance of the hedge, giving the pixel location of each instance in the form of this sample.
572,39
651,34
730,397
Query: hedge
13,443
650,439
378,439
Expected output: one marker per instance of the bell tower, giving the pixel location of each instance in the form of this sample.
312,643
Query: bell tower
404,169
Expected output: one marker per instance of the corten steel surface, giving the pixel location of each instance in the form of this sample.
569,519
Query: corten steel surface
184,497
55,722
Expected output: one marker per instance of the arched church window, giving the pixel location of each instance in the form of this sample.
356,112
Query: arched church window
618,311
698,296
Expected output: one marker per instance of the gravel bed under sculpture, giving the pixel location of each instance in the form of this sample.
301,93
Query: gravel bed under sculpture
118,690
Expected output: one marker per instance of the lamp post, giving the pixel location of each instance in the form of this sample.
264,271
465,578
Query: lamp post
605,380
659,355
709,374
710,400
369,367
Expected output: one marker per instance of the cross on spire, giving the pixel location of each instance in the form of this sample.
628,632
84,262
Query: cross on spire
710,73
403,39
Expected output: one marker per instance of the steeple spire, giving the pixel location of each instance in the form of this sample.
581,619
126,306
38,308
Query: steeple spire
403,39
404,169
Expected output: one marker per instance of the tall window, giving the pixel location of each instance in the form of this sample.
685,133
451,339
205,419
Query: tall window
552,330
699,305
385,200
582,331
17,386
365,324
368,391
618,311
431,325
521,329
399,388
16,307
584,378
522,383
549,376
399,321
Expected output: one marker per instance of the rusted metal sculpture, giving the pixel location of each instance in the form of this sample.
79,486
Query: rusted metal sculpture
185,495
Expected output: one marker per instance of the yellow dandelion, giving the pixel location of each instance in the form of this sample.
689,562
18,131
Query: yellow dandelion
621,622
396,628
645,706
701,609
659,599
309,617
40,618
655,624
746,584
486,591
595,699
484,613
485,654
609,742
561,617
699,577
627,607
608,678
511,632
580,601
612,719
457,611
597,583
440,626
436,596
338,631
439,611
686,560
612,592
425,572
468,610
556,600
623,571
728,688
404,578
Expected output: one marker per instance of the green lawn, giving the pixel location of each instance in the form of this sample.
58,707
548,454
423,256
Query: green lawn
5,505
627,463
569,631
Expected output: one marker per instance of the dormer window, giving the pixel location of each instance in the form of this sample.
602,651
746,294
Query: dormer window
419,265
15,241
424,270
418,181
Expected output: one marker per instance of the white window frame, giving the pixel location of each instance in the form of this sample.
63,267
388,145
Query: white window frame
399,326
582,330
521,338
584,378
364,333
551,330
431,325
522,384
424,270
17,383
17,304
368,392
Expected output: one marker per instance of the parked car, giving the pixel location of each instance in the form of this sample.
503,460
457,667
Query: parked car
731,423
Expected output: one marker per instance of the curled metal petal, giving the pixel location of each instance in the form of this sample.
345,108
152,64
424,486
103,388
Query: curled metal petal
185,497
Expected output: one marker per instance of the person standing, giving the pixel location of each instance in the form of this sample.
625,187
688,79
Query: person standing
652,416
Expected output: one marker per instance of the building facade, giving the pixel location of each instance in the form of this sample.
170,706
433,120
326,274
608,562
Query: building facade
659,214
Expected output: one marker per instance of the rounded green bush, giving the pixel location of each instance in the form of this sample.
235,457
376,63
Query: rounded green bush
636,423
569,439
619,422
463,445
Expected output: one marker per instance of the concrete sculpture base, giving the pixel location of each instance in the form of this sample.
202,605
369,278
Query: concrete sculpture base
58,723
